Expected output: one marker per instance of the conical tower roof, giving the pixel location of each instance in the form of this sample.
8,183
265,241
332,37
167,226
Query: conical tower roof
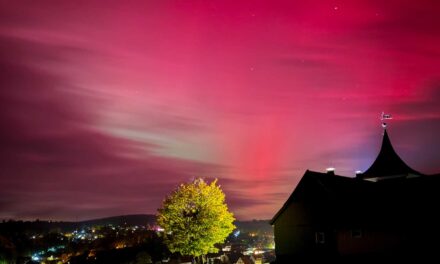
388,163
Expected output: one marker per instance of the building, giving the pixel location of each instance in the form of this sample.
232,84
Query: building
241,259
389,211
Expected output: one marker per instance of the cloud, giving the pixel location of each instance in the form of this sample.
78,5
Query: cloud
55,163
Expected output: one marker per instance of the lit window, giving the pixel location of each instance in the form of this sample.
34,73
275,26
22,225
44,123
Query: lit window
319,237
356,233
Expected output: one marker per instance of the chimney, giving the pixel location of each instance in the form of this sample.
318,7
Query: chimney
330,171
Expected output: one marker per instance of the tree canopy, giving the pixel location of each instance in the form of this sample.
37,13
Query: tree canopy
195,218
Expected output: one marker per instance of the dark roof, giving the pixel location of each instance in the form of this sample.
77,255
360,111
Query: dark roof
234,257
371,199
355,200
388,163
330,185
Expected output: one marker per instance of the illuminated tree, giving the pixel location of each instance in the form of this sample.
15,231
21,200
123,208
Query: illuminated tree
195,218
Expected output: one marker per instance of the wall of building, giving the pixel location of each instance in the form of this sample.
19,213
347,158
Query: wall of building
293,233
371,241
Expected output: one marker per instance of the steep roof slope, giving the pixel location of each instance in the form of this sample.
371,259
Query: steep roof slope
388,163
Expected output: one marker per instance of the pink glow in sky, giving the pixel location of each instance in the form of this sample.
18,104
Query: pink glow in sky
106,106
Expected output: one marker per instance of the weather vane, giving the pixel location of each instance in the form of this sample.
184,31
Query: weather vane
384,117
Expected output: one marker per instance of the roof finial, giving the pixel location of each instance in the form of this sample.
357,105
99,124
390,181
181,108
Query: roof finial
384,117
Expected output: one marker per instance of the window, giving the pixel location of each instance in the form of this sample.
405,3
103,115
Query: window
356,233
319,237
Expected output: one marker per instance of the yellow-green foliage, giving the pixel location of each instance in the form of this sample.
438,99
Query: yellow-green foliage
195,218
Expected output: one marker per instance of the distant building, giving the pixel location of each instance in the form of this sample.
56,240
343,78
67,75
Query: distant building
390,210
215,258
241,259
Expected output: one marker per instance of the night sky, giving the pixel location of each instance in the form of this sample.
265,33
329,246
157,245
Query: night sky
106,106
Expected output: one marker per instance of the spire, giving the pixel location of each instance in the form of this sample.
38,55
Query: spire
388,163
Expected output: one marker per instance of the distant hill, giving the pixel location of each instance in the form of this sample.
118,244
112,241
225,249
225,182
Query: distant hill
131,220
46,226
254,226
